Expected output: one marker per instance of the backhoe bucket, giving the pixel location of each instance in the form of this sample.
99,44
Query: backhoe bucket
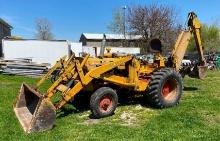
202,71
198,72
34,112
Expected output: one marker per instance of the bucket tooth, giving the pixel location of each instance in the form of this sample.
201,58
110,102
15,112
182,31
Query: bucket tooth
34,112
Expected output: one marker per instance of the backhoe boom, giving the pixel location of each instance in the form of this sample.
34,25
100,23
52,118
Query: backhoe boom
194,28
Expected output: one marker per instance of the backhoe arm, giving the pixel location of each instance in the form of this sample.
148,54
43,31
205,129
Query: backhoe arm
194,28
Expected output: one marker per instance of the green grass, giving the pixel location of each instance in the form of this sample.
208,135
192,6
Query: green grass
197,117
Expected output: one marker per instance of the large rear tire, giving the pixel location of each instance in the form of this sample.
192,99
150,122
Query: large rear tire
165,88
103,102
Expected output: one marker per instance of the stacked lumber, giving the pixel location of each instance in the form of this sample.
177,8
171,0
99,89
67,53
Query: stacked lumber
23,67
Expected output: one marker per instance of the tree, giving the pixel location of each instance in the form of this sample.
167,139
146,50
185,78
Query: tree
210,37
154,21
43,27
117,24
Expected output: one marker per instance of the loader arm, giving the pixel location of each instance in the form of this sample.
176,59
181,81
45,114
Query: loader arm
61,64
49,73
85,79
194,27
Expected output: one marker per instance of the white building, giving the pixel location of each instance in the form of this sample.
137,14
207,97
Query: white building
38,50
41,51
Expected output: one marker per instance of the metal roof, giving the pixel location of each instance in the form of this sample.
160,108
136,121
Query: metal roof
99,36
5,23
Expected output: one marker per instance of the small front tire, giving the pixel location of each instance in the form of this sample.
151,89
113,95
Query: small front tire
103,102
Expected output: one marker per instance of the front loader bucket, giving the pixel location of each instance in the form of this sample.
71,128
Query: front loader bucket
34,112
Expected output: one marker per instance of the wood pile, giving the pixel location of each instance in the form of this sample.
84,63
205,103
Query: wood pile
23,67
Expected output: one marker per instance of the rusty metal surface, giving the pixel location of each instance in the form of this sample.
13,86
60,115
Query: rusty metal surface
34,112
24,117
202,71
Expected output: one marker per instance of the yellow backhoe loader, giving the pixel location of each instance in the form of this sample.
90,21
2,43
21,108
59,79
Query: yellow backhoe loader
159,80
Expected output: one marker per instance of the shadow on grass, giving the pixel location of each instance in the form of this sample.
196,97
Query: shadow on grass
65,111
190,89
81,103
78,105
132,99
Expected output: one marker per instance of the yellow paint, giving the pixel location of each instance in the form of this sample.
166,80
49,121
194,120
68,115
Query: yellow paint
122,71
178,52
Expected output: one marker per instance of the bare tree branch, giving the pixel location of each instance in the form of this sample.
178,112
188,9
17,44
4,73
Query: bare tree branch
43,27
154,21
117,24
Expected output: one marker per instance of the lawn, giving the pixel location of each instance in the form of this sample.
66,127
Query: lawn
197,117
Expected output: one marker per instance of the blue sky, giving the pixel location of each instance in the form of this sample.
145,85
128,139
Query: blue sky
72,17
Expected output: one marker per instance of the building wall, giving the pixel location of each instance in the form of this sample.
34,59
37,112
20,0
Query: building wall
76,47
109,42
38,51
1,54
94,43
113,43
4,31
126,50
83,40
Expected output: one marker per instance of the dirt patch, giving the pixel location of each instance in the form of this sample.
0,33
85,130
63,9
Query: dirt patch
128,118
84,115
6,83
216,95
211,118
91,121
138,107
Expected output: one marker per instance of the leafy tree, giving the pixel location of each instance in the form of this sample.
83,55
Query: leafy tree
210,37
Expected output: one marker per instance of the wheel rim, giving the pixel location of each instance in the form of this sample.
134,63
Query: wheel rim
169,89
105,104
